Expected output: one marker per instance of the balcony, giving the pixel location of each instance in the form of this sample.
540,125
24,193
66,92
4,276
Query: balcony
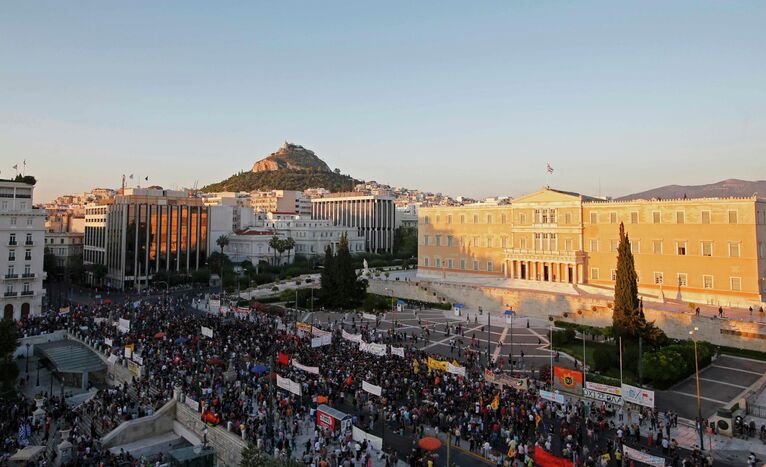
12,243
11,276
29,243
27,292
28,275
10,294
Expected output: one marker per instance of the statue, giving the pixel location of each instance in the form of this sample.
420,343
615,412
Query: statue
366,272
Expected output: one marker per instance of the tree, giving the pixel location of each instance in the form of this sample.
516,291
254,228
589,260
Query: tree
328,286
289,244
252,457
49,263
222,242
405,242
276,246
625,317
9,336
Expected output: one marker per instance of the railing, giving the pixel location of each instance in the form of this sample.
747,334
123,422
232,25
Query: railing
11,276
28,275
10,294
755,410
27,292
12,242
29,242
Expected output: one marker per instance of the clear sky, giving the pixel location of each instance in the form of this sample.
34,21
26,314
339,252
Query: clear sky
463,97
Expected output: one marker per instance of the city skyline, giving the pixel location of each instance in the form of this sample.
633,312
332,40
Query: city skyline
463,100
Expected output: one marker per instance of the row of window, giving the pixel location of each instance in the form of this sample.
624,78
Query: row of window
681,248
5,205
27,255
27,270
732,217
450,264
13,241
25,290
51,241
682,279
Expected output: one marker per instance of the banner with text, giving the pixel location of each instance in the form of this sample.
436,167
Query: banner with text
375,349
123,325
397,351
643,457
289,385
352,337
552,396
636,395
206,331
305,327
321,341
360,436
372,389
456,370
320,332
314,370
369,316
567,380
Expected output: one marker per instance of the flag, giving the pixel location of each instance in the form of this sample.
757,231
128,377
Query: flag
147,178
283,358
495,402
549,168
131,176
567,380
15,167
349,380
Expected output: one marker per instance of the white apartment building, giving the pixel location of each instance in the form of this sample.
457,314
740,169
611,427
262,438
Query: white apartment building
373,215
22,234
240,203
285,201
311,238
64,235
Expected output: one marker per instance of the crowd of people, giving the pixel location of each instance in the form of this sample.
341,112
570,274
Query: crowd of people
225,375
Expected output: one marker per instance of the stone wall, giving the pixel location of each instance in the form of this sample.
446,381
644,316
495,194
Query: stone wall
592,310
157,424
21,350
228,446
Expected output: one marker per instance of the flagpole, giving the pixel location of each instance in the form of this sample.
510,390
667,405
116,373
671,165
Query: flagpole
621,361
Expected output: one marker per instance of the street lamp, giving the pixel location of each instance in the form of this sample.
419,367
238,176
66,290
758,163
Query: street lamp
27,360
699,401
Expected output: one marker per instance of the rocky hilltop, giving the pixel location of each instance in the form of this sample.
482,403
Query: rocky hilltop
291,157
726,188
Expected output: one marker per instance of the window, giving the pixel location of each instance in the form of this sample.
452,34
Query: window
462,264
475,219
522,218
613,244
612,217
635,246
705,217
634,217
449,219
657,247
425,261
656,217
489,266
504,242
449,264
425,240
593,218
681,248
567,245
659,278
438,262
12,239
552,216
707,248
489,242
594,245
27,255
537,216
475,265
545,216
29,221
707,282
438,240
476,242
732,217
449,240
489,219
594,273
425,220
736,283
567,218
734,250
680,218
538,241
503,219
682,279
613,274
13,221
523,243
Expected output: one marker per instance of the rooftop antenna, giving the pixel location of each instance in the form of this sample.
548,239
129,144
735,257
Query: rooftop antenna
599,187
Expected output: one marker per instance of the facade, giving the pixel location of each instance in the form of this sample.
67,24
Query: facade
240,203
374,216
311,238
290,201
22,233
710,250
407,216
143,231
64,236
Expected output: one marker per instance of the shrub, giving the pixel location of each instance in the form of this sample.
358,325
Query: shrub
275,289
602,359
563,337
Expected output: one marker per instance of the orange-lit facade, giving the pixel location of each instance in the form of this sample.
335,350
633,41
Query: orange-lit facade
710,250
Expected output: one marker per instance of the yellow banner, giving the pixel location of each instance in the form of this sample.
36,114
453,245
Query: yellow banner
437,365
303,326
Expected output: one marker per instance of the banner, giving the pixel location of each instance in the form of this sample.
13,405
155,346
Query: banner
643,457
206,331
305,327
64,310
546,459
242,309
108,341
552,396
603,388
215,304
489,376
138,359
112,358
371,388
602,396
352,337
437,365
456,370
369,316
397,351
567,380
123,325
289,385
314,370
638,396
360,436
321,341
134,368
320,332
194,405
128,351
520,384
375,349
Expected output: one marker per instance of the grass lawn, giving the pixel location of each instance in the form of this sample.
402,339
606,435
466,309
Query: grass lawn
575,350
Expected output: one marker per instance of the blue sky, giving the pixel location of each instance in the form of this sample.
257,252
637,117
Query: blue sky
465,98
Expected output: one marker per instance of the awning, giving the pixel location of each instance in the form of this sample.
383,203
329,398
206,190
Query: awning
69,356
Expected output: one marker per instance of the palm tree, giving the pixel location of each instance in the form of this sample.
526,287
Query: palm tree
222,242
289,245
275,245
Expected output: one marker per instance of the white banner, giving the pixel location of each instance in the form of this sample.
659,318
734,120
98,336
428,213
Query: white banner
123,325
369,316
614,390
314,370
352,337
397,351
375,349
112,358
289,385
108,341
359,436
138,359
643,457
638,396
319,332
215,304
456,370
128,352
552,396
371,388
602,396
194,405
206,331
321,341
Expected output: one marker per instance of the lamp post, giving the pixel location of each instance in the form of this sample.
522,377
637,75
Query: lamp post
27,360
37,384
699,401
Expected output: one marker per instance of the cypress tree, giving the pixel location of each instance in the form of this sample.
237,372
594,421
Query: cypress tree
328,285
627,314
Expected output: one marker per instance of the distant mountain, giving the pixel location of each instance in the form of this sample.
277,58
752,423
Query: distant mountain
726,188
291,167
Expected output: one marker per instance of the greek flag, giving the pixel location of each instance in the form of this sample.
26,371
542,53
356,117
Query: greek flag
549,168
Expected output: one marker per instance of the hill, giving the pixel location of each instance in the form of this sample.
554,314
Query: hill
291,167
725,188
291,157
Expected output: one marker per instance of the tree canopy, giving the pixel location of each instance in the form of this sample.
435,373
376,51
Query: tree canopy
339,285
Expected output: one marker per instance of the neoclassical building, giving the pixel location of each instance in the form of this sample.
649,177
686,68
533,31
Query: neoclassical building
710,250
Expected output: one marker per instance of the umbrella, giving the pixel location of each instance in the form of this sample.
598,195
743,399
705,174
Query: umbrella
258,369
182,340
429,443
214,361
159,335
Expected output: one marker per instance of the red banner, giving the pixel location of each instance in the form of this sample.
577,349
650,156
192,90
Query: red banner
283,358
567,380
546,459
